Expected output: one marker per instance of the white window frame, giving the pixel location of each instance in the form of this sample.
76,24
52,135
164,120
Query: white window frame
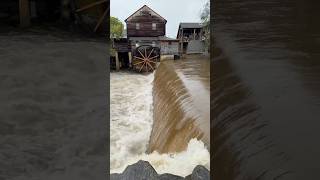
137,26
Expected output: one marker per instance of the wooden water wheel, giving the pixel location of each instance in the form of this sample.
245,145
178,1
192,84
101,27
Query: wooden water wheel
91,14
145,58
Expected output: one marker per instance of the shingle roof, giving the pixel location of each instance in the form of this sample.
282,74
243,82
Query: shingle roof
145,6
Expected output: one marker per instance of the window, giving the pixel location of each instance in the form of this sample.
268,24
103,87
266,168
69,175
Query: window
154,26
137,26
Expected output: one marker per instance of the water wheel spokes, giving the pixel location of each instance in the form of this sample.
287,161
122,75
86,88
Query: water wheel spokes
101,18
154,57
144,59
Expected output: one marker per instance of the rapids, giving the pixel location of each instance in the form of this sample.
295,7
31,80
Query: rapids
132,126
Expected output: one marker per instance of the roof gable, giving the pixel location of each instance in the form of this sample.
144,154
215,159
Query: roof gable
145,9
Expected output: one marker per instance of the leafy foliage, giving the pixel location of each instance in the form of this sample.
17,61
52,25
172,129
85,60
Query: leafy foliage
116,31
205,18
116,27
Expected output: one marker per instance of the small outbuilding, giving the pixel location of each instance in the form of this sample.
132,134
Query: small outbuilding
191,38
169,46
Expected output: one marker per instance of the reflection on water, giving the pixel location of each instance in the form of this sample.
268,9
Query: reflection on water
266,89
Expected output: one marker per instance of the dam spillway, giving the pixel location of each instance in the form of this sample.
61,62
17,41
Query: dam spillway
181,96
135,121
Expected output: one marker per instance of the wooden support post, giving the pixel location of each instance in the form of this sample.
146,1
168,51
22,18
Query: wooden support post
24,11
65,10
181,46
194,34
117,62
130,59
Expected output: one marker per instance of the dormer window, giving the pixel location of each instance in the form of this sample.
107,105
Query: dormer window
154,26
137,26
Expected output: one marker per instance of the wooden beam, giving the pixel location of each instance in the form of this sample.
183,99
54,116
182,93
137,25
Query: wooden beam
91,5
117,62
24,12
130,58
181,46
101,19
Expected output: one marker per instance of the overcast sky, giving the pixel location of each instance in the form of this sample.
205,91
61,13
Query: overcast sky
174,11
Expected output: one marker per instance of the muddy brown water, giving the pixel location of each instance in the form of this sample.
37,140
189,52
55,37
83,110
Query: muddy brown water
181,104
53,115
266,90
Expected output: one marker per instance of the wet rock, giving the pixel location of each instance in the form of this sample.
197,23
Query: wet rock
169,177
142,170
115,176
200,173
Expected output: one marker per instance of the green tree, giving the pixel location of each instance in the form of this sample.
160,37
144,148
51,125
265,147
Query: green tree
116,27
116,31
205,18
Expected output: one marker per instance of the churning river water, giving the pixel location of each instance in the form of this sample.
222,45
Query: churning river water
266,95
131,125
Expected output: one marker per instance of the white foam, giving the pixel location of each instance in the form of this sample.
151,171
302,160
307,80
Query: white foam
130,128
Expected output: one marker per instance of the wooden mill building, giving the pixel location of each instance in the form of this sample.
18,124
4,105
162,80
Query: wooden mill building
191,38
146,38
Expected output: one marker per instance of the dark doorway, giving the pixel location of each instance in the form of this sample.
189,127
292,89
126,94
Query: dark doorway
47,11
124,59
9,12
42,11
185,45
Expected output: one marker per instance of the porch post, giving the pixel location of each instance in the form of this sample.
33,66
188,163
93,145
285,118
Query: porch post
24,12
117,62
181,40
130,59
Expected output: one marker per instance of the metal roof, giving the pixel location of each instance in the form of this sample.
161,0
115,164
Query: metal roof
190,25
159,38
